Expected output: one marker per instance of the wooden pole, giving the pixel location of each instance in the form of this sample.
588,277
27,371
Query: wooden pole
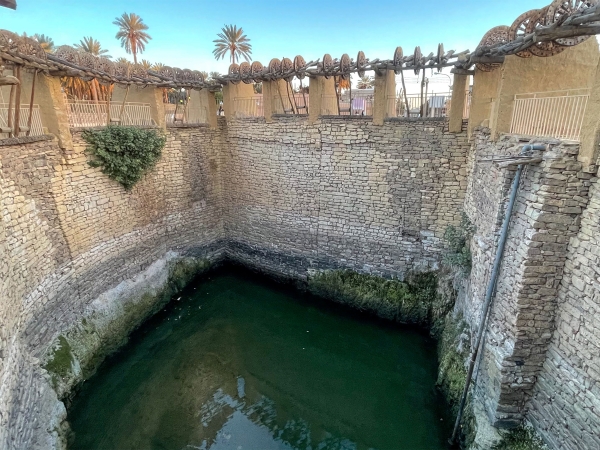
18,102
108,97
287,88
426,102
30,118
405,96
337,96
123,106
303,96
422,87
280,96
11,95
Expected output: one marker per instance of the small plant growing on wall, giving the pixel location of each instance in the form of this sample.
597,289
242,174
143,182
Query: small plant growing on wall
125,154
458,254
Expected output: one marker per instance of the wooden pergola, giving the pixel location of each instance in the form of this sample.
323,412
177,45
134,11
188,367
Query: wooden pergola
12,4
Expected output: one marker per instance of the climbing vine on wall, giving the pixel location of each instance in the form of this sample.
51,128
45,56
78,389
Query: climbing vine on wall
458,253
125,154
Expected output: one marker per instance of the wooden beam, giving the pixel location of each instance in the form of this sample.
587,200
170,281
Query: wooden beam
458,71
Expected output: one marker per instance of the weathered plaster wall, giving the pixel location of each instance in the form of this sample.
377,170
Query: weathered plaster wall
68,234
552,196
341,193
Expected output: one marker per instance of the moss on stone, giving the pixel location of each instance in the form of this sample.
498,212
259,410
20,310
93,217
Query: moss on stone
522,438
409,301
60,362
453,351
100,333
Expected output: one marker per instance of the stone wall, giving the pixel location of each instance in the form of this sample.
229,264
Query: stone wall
289,197
565,407
551,199
341,193
286,197
68,234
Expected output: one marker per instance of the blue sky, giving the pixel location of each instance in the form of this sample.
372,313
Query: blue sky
183,31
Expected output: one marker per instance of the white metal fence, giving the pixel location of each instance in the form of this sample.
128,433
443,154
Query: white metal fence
249,106
431,105
557,114
36,128
88,113
185,114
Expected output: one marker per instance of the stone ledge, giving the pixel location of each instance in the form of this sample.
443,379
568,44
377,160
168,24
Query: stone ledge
25,140
79,129
416,119
188,125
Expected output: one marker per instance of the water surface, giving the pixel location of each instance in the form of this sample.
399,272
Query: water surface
239,363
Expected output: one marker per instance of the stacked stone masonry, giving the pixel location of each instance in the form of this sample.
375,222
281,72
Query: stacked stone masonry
341,193
291,197
517,379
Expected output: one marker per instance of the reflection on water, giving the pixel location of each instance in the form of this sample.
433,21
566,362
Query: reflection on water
240,364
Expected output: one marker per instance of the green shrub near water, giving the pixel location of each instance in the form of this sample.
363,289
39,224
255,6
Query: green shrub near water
125,154
458,253
409,301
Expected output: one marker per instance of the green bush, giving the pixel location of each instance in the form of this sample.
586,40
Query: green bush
124,153
407,301
458,254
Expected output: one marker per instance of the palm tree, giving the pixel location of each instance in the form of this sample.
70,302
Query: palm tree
45,42
91,45
214,75
232,40
365,82
146,64
132,34
122,60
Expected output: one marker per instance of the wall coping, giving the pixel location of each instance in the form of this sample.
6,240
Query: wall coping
79,129
188,125
25,140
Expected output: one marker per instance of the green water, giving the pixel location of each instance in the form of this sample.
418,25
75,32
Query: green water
240,363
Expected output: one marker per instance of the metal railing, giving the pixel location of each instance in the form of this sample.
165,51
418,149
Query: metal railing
248,106
557,114
185,114
432,105
36,128
88,113
357,106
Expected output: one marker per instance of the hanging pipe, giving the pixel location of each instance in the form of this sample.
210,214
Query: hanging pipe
491,288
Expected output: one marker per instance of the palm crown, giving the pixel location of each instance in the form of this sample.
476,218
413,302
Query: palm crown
45,42
232,40
132,34
91,45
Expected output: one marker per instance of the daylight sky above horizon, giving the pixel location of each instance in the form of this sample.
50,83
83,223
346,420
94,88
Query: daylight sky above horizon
183,30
